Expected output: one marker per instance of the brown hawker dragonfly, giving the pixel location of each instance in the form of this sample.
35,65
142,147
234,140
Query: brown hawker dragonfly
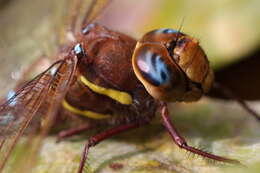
107,78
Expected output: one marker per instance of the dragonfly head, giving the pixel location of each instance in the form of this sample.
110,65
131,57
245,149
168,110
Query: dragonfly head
172,66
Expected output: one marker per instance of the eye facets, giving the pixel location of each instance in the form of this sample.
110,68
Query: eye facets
153,68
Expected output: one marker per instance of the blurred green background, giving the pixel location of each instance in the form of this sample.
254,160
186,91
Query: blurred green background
226,29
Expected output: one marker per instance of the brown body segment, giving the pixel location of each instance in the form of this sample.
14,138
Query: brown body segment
109,58
108,64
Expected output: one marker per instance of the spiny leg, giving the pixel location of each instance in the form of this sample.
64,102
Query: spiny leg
180,141
108,134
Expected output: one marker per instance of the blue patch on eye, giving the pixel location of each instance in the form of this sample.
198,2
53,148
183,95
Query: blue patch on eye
10,94
158,72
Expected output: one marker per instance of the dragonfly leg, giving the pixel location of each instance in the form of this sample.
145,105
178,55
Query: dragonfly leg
180,141
108,134
73,131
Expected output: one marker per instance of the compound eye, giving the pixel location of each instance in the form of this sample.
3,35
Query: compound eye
154,69
160,75
153,66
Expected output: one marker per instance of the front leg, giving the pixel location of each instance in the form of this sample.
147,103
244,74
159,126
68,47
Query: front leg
180,141
94,140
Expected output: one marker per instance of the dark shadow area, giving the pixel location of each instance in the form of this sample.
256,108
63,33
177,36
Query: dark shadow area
242,77
4,3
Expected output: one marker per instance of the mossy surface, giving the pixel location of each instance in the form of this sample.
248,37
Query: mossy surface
222,129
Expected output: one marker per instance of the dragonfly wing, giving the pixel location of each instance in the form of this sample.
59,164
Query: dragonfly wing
45,90
95,9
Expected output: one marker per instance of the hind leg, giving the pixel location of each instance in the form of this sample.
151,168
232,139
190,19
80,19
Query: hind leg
180,141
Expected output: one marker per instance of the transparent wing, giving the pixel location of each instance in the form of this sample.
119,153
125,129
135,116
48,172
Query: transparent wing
95,9
41,96
78,14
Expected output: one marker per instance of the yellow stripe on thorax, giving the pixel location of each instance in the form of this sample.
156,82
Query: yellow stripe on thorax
121,97
86,113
